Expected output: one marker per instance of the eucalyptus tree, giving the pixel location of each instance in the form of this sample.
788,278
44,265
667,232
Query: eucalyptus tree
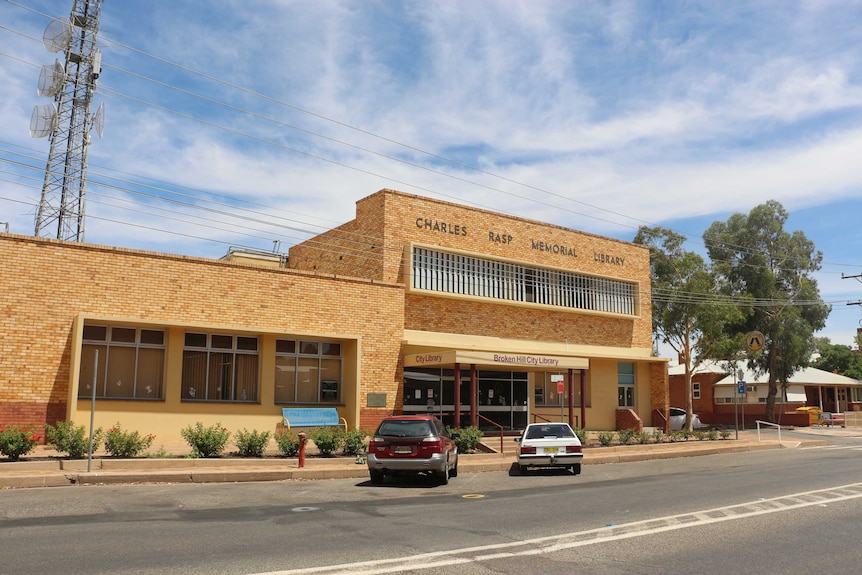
753,255
687,313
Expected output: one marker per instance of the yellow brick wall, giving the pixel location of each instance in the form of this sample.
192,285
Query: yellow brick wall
470,230
47,284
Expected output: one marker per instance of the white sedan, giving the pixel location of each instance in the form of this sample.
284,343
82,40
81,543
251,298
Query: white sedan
552,444
677,419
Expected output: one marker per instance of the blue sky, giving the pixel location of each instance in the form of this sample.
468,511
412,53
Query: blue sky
258,124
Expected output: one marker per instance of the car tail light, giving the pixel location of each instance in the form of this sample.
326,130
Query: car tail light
527,450
376,443
432,444
573,449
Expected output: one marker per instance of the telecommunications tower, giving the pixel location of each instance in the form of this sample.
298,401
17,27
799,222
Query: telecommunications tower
68,120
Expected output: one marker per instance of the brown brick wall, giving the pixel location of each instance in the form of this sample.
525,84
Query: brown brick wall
628,419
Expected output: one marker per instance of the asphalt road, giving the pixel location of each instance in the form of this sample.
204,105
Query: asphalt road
778,511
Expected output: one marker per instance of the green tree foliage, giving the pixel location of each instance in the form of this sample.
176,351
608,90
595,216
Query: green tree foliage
687,312
753,255
837,358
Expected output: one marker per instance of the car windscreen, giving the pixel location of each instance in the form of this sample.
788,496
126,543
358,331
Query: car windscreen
405,428
540,431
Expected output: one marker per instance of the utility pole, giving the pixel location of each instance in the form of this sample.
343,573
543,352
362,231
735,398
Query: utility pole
858,277
72,86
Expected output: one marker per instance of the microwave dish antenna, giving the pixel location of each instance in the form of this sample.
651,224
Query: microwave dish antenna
43,121
51,79
57,35
99,120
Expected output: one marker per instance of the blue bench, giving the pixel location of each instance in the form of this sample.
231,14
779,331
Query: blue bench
310,417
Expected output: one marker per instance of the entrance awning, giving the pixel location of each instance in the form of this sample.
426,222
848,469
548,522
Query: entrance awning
535,362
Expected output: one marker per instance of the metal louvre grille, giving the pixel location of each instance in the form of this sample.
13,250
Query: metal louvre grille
464,275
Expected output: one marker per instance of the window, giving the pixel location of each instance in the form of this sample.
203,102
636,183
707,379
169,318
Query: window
220,367
307,371
464,275
626,384
695,390
856,394
131,362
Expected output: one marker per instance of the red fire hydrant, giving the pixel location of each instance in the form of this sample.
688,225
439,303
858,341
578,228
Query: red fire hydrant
302,450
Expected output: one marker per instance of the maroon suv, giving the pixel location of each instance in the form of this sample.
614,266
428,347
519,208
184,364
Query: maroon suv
412,444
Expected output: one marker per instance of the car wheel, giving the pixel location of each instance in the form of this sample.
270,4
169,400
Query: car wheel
376,477
454,471
576,468
443,476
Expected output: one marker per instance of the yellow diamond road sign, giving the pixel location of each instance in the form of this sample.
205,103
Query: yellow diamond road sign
754,340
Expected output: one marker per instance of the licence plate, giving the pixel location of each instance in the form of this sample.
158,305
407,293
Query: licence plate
551,450
403,449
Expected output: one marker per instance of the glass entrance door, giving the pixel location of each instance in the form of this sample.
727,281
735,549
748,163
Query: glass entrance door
501,396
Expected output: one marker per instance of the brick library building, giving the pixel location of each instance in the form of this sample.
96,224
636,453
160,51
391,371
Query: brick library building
415,306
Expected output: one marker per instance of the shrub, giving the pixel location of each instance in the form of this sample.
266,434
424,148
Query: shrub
582,434
657,435
327,439
120,443
642,437
72,440
606,437
468,438
17,441
288,443
355,441
627,435
725,433
251,443
206,441
712,435
699,435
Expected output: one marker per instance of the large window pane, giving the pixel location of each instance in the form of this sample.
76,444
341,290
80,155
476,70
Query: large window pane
308,379
285,379
121,372
151,373
220,376
88,369
330,379
194,374
246,378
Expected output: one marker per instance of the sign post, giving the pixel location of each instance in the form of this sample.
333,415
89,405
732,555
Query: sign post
560,391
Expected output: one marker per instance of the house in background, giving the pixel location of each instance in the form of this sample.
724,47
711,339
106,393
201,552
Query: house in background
716,401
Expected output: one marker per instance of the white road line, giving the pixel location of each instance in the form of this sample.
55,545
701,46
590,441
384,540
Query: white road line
554,543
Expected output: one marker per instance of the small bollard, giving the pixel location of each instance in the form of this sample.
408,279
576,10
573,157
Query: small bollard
302,450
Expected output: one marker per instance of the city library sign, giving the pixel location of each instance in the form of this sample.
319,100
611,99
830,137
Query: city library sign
451,357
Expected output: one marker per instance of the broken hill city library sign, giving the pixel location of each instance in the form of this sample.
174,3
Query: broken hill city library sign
511,360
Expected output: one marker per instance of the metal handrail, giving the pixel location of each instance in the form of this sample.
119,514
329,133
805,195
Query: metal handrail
666,426
758,422
495,424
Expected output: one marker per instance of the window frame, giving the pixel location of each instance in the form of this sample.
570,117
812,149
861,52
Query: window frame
305,353
112,364
438,271
626,389
243,378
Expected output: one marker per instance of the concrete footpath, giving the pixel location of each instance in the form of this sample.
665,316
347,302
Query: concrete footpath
45,468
